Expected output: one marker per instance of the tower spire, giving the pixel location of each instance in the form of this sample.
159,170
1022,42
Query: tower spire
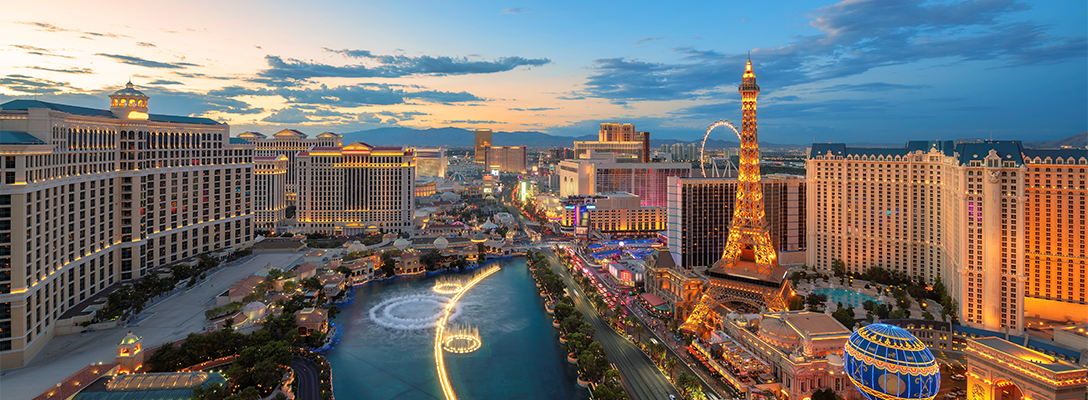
749,267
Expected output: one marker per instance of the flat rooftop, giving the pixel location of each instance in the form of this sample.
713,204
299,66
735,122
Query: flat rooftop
815,324
1027,355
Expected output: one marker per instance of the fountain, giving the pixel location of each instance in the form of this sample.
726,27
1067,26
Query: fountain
461,339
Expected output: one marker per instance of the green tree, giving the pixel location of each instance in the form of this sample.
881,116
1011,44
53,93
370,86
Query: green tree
838,267
311,283
670,366
261,367
389,267
431,260
845,316
797,303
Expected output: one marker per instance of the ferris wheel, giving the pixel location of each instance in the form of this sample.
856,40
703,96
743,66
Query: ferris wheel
702,149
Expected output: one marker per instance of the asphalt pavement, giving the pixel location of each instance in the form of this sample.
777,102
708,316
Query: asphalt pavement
674,348
641,378
309,381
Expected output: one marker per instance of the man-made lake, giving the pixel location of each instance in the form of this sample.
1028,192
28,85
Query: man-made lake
387,347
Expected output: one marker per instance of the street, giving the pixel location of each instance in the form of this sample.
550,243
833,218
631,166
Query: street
660,331
641,378
309,382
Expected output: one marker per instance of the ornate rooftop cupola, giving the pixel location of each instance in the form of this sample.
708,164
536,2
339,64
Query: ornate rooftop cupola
129,103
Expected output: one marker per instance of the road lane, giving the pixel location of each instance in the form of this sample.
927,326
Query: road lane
641,378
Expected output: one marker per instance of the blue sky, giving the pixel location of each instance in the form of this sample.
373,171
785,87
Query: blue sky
873,71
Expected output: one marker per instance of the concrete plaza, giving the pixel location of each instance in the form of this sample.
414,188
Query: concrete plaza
170,320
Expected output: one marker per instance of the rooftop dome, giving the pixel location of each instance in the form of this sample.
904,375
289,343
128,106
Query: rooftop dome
356,247
479,237
776,330
130,91
130,339
450,196
886,362
253,306
441,243
402,243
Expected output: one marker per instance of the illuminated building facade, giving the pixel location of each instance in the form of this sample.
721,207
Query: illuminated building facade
356,189
270,180
620,139
802,350
90,198
1001,370
648,181
288,143
505,158
701,210
483,140
933,210
748,272
1056,264
615,213
431,162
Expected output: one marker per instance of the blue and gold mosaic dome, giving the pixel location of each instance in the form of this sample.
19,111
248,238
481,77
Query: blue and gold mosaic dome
888,363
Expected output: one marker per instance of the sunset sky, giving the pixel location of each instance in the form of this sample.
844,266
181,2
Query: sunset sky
871,71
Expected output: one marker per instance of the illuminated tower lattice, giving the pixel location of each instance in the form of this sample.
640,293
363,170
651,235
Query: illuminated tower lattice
748,272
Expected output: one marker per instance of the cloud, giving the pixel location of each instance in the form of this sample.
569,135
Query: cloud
289,115
470,121
39,51
869,87
534,109
649,39
199,75
391,66
854,37
29,84
73,70
402,116
146,44
516,10
132,60
47,27
164,82
350,95
785,98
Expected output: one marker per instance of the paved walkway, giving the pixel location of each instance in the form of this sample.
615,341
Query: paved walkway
170,320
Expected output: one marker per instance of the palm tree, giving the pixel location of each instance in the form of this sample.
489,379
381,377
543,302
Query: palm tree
639,329
670,365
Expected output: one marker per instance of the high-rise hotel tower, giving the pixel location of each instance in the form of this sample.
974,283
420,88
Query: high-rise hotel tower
90,198
992,220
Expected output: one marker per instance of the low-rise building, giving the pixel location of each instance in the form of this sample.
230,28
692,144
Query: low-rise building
998,369
803,350
311,319
615,213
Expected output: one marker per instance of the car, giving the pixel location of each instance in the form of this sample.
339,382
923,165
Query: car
959,377
950,395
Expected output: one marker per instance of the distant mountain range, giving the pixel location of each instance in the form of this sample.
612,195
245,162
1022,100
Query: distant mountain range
457,137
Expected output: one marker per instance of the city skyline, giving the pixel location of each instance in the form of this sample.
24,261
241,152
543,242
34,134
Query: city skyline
838,72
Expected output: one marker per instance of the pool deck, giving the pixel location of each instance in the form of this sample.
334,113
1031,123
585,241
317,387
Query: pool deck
858,286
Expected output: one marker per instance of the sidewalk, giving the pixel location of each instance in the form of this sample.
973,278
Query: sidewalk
169,320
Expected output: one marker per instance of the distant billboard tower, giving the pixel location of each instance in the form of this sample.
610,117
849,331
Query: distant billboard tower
483,140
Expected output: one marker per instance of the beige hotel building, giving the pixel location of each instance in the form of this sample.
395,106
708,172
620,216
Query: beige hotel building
982,217
289,143
90,198
356,189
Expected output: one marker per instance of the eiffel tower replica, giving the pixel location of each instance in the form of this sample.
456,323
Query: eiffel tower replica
748,271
